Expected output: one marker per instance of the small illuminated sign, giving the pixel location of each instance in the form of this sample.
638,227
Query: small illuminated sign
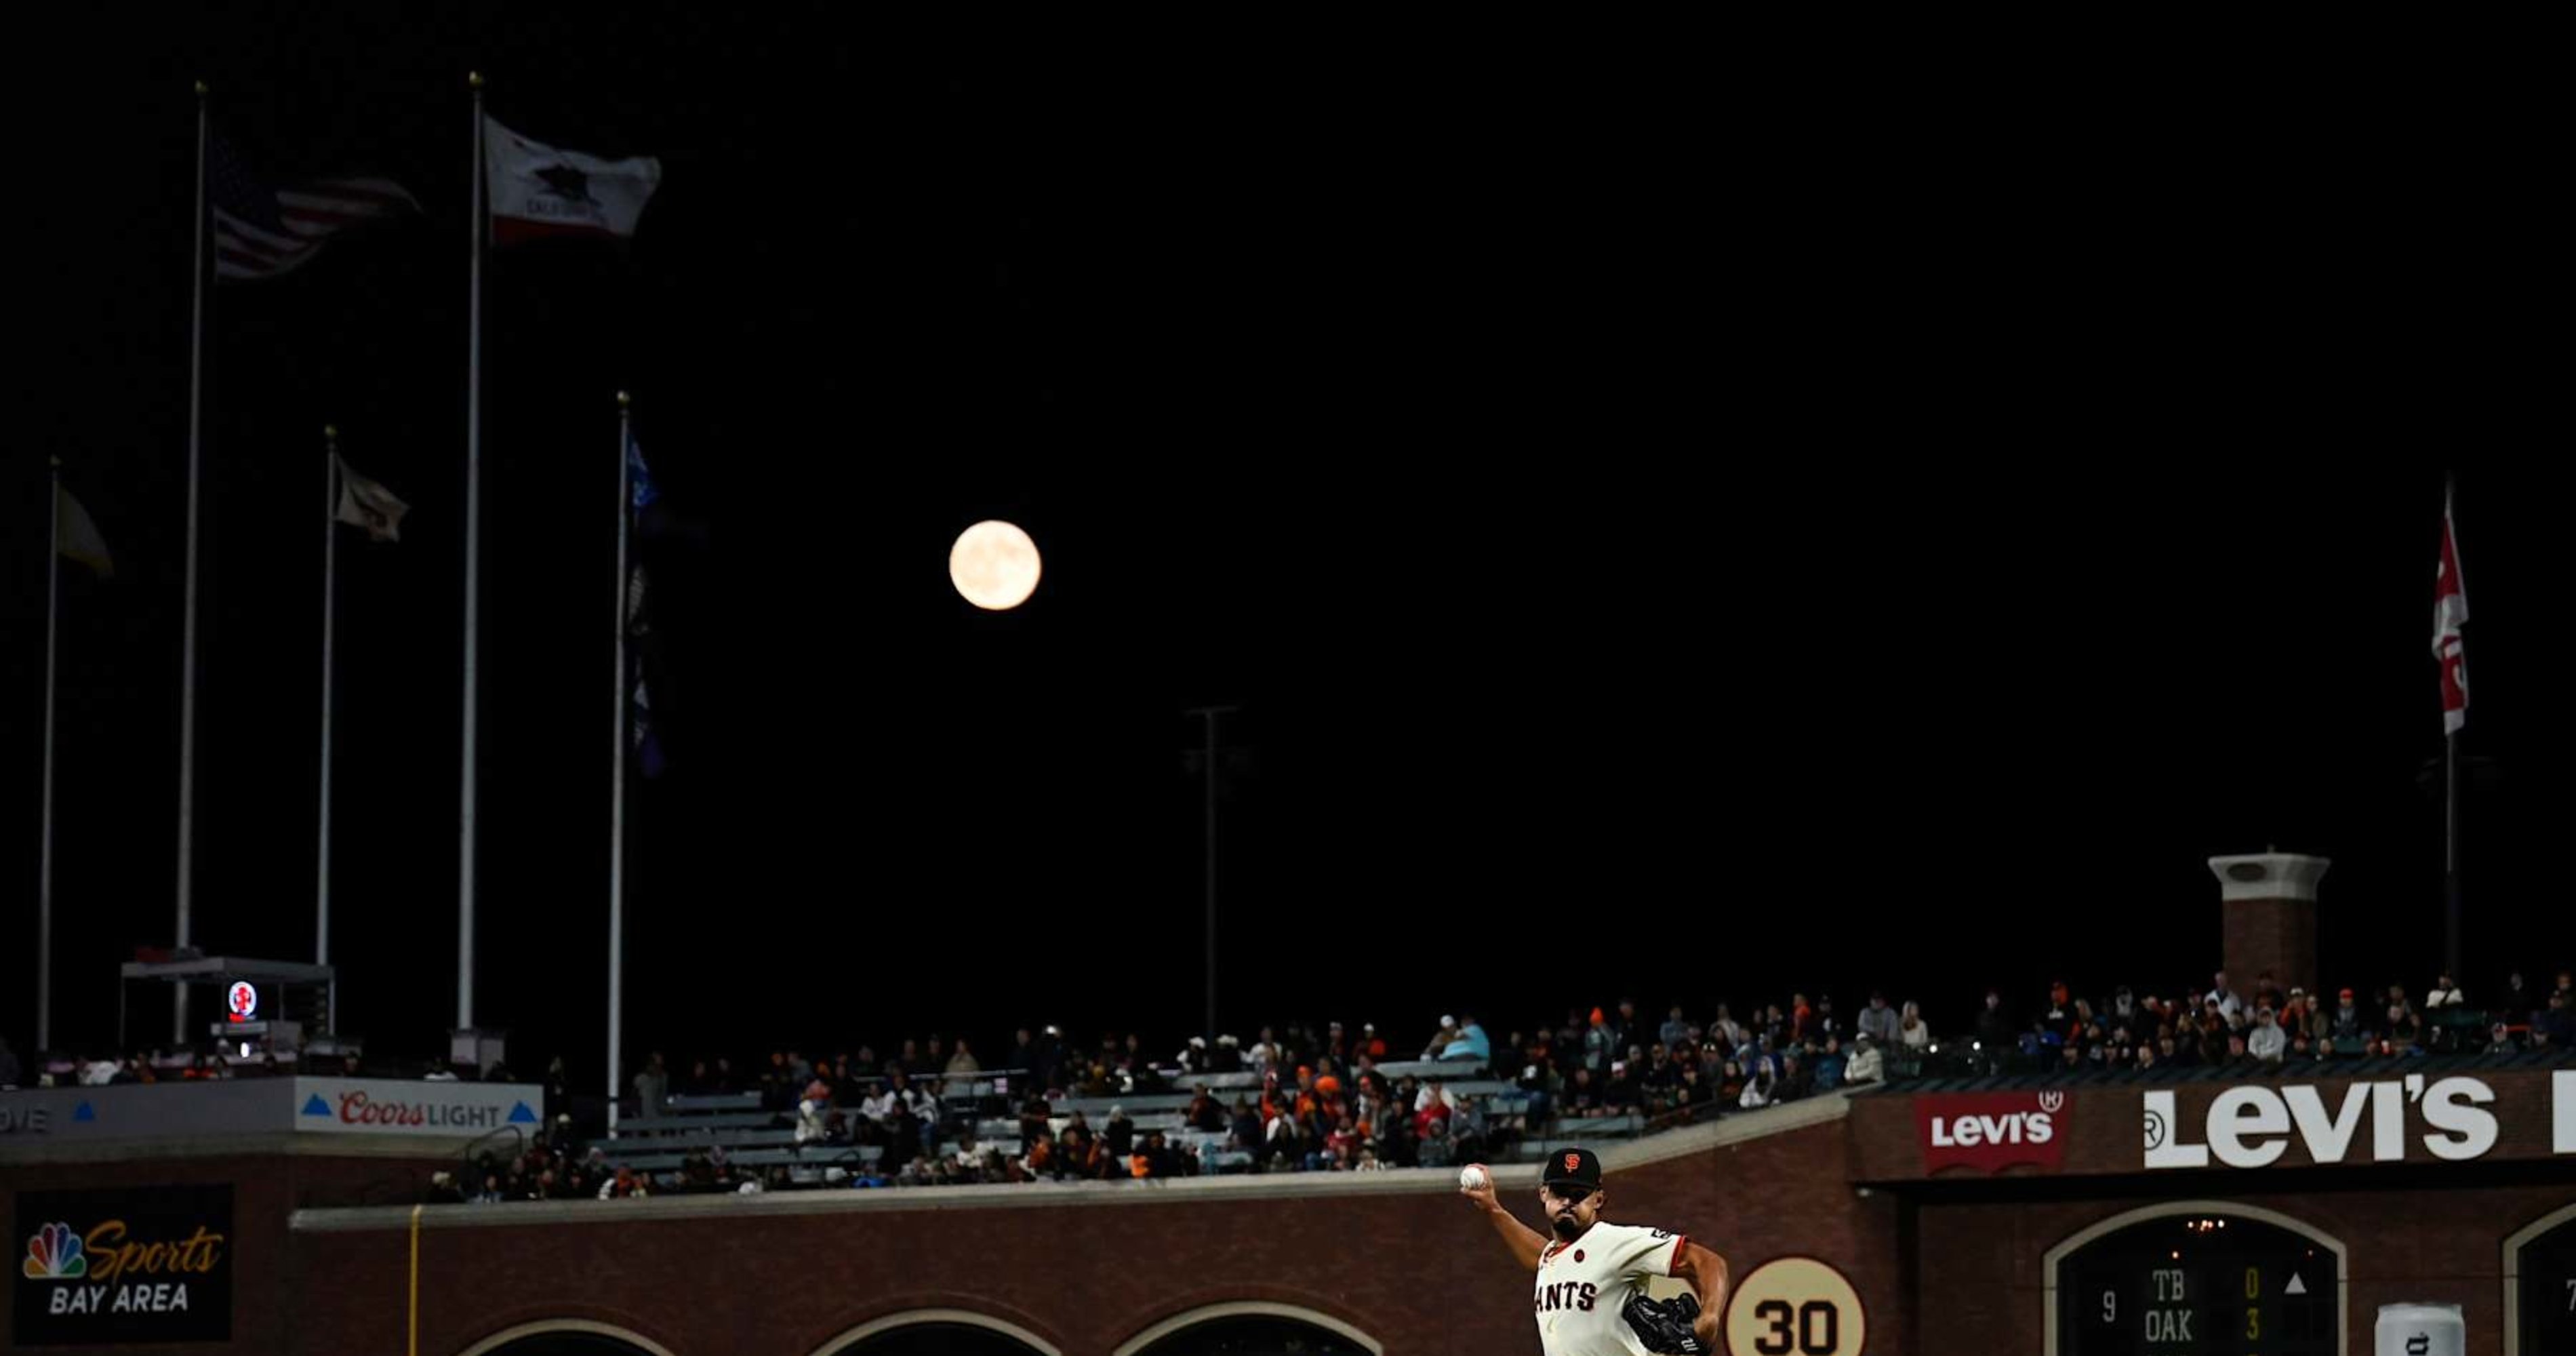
243,1000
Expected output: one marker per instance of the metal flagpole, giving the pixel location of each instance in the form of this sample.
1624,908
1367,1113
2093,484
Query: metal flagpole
45,856
617,777
1209,714
473,577
330,617
188,627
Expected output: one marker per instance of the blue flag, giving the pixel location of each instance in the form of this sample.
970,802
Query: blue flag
641,479
639,629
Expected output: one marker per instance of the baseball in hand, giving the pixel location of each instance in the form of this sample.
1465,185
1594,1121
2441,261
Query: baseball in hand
1471,1177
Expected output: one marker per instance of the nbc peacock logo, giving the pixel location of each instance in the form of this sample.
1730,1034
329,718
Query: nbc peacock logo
54,1254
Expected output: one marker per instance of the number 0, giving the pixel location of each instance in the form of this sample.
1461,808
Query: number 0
1809,1344
2253,1283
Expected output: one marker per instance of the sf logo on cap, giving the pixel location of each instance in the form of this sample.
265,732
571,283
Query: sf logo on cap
1573,1162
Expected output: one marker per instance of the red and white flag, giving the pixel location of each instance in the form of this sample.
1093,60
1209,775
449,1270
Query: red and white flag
2450,609
538,190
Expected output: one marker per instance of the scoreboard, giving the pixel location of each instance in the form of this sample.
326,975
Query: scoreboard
2199,1285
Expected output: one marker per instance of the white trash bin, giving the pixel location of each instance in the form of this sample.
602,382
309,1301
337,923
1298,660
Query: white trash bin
2421,1330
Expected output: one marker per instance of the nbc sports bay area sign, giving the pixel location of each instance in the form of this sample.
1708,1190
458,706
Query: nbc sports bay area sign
150,1264
36,1119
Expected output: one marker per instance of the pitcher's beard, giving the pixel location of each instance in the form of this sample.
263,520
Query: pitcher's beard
1567,1226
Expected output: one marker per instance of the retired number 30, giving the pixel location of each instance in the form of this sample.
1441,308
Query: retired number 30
1811,1329
1797,1306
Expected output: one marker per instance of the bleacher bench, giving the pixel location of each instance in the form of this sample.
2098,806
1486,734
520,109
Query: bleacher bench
1097,1108
725,1101
684,1125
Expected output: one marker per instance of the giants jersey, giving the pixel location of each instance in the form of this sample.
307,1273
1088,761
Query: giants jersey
1583,1284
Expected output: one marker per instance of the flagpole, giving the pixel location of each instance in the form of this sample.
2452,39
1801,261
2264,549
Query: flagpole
45,855
2450,788
617,777
330,617
188,627
473,576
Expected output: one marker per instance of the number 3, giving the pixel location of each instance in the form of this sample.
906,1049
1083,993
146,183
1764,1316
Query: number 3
1777,1314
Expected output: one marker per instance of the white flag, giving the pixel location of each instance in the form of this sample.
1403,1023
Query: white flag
364,503
537,190
77,537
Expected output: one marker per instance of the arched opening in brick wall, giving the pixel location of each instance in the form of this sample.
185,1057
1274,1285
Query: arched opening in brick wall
1251,1328
2540,1285
2196,1275
566,1337
938,1332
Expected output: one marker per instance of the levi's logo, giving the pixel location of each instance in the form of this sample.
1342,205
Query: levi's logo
1992,1131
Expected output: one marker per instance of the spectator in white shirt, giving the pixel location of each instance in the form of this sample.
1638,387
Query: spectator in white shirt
2445,994
1757,1090
2268,1042
1864,1066
811,1109
1911,1032
1725,1028
2229,1005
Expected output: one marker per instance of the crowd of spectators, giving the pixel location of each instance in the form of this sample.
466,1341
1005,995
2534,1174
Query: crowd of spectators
2265,1023
1322,1102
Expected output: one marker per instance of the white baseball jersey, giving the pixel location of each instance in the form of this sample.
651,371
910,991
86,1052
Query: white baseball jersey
1583,1284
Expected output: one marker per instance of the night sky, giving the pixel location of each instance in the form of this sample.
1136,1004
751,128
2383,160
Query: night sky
1668,539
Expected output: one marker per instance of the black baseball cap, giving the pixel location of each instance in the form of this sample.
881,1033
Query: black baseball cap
1578,1167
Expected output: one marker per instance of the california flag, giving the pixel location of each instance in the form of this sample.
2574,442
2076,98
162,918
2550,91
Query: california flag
364,503
539,191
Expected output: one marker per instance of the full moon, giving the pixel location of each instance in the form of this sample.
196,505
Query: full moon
994,565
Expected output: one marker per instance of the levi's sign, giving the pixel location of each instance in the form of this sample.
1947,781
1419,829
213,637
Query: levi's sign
1991,1131
2254,1126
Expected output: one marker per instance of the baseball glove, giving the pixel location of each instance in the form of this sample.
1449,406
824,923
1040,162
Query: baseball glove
1665,1325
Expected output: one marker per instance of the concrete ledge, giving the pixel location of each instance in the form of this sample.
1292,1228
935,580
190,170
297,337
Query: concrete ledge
274,1145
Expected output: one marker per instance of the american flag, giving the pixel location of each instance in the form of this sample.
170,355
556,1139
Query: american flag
260,233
